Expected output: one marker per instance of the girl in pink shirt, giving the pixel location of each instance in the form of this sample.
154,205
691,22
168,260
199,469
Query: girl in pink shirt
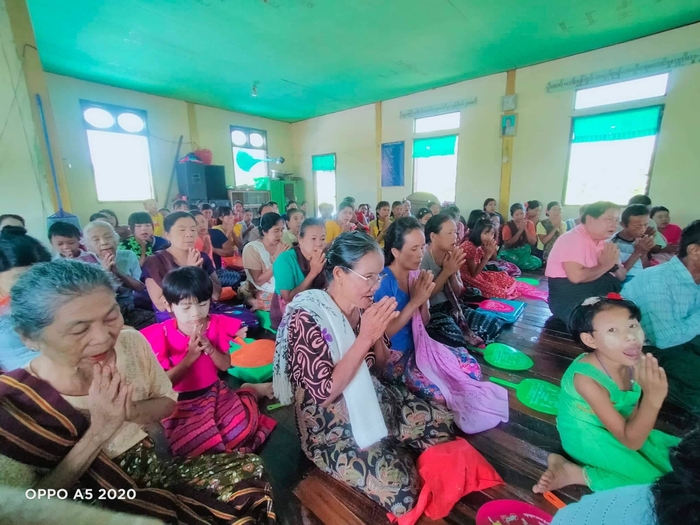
192,348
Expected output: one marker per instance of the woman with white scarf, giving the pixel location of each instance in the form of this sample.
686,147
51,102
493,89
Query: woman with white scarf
331,347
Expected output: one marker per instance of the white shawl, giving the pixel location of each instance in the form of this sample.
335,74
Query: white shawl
366,418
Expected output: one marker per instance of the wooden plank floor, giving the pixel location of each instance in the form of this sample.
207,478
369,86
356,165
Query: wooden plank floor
517,449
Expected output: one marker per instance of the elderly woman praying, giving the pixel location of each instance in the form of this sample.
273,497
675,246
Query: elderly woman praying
101,239
77,414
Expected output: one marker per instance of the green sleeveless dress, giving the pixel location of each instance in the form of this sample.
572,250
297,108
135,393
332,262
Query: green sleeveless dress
606,462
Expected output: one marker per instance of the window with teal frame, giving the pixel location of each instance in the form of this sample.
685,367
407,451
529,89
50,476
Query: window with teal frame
611,155
435,166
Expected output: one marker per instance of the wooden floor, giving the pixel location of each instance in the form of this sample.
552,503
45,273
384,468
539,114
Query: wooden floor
517,449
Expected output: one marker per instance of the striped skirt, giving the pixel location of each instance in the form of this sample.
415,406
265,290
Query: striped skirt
218,420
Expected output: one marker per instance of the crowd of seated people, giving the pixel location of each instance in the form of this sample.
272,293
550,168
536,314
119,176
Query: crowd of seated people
373,310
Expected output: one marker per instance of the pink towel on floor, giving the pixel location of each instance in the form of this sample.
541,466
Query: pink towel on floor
448,472
531,292
477,405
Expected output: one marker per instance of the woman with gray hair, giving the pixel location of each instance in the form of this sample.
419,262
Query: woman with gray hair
75,415
101,239
331,347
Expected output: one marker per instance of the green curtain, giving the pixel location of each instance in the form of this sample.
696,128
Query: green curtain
323,162
620,125
434,147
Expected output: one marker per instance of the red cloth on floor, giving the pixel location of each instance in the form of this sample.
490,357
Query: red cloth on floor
448,472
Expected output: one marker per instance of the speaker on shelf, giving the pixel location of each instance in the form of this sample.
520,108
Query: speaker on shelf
215,177
191,181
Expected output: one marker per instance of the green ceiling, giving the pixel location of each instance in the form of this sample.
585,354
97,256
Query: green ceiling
313,57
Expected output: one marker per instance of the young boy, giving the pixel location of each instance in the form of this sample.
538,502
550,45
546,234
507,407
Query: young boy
633,240
208,213
151,206
143,243
65,240
244,228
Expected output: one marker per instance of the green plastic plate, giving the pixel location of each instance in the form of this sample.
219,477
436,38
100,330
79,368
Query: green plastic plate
506,357
528,280
535,393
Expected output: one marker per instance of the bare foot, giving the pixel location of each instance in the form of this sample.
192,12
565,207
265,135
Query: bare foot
560,473
261,389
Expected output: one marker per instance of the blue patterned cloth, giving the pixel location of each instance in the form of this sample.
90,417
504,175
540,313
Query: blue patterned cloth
669,299
632,505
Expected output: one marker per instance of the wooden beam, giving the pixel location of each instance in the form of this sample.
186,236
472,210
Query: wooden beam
28,54
506,155
192,123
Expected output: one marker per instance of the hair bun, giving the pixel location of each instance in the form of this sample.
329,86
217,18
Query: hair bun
13,231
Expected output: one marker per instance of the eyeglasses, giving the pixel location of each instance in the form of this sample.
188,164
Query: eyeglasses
375,279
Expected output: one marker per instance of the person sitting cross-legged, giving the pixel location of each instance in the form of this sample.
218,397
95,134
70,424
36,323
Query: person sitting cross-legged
669,298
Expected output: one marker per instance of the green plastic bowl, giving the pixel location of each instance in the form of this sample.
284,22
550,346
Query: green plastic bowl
506,357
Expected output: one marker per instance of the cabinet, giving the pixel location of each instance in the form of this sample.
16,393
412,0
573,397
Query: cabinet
282,191
251,199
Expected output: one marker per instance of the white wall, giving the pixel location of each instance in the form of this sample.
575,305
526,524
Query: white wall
479,147
23,187
167,120
351,136
541,146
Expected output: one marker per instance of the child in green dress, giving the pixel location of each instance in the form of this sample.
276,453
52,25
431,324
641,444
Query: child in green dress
602,423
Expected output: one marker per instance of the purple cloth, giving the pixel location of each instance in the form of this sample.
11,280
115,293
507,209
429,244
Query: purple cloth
477,405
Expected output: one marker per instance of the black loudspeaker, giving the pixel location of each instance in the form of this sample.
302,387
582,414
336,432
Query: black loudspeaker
215,177
191,181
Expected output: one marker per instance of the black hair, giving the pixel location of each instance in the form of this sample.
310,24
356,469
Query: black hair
675,494
531,205
187,282
474,216
395,204
238,202
63,229
434,225
224,211
581,319
380,205
293,211
349,199
263,206
453,208
347,249
180,202
269,221
345,204
98,215
290,202
552,204
422,212
640,199
481,226
164,209
206,206
19,250
452,214
652,212
194,213
308,223
515,207
597,209
140,217
690,235
395,236
194,207
634,210
487,202
171,219
12,216
112,214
